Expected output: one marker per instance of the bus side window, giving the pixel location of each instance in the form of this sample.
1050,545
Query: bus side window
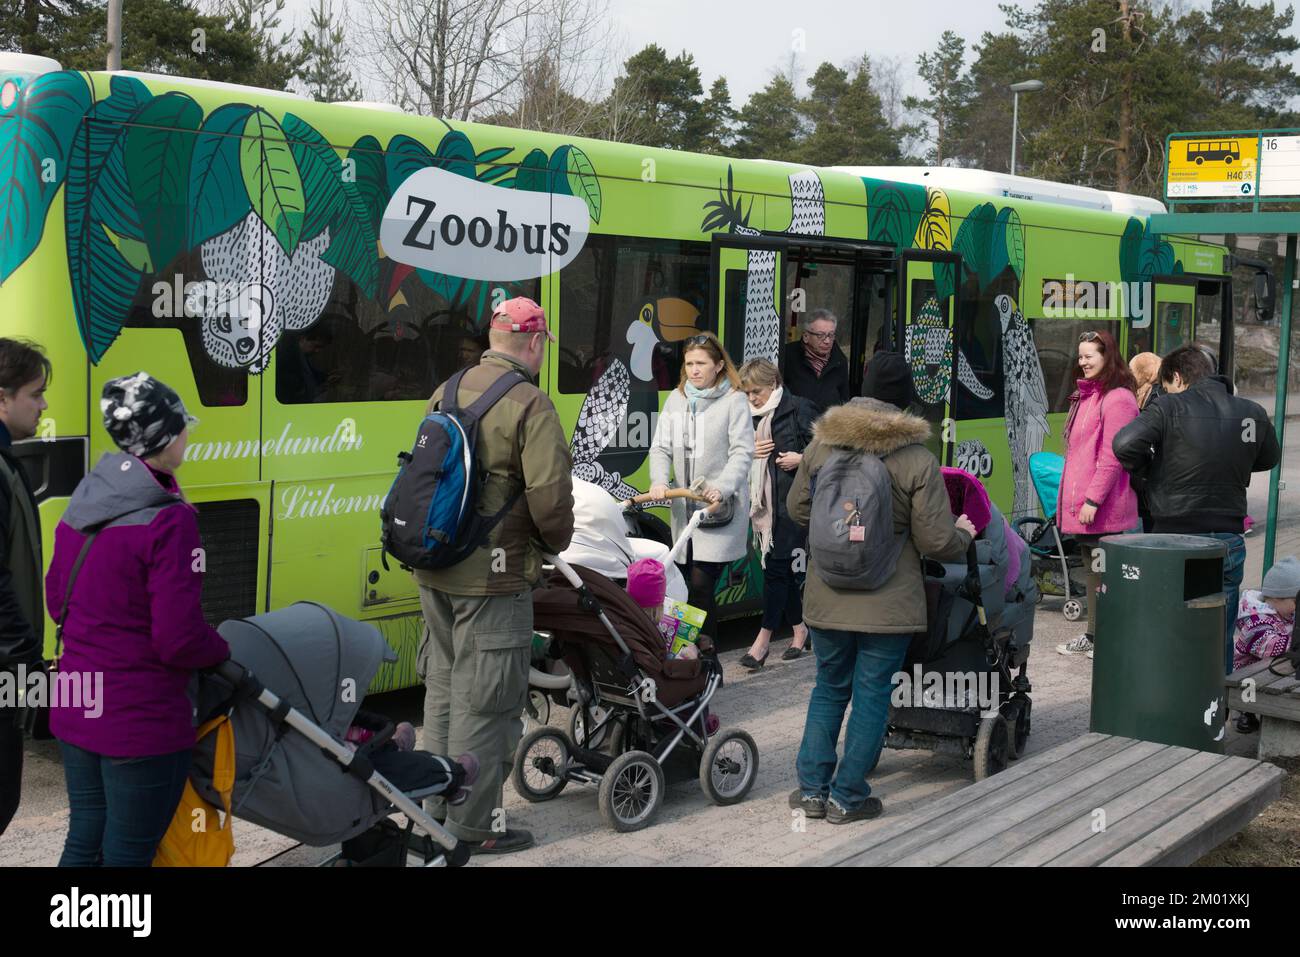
1057,341
979,339
633,301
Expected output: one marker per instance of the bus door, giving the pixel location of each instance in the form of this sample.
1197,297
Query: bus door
747,294
1172,315
924,331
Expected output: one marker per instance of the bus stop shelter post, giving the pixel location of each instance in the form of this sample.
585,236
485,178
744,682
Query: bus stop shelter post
1279,402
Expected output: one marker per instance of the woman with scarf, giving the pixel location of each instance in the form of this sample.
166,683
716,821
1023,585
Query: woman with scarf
704,433
815,367
783,425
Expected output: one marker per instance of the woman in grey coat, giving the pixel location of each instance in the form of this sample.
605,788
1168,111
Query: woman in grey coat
706,432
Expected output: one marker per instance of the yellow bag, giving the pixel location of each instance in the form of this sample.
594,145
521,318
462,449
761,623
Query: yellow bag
198,836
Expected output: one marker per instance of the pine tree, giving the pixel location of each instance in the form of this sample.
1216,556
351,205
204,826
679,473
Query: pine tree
770,126
663,97
950,93
848,126
44,27
279,57
324,58
714,131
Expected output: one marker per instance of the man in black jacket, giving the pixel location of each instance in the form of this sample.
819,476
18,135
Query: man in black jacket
1195,448
24,372
814,368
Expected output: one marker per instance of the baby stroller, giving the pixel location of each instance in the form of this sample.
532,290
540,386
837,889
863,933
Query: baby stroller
1053,555
964,698
650,711
607,538
293,772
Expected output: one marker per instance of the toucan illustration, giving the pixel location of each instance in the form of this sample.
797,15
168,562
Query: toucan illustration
604,447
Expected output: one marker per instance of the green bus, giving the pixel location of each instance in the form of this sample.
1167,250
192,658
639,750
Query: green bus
304,274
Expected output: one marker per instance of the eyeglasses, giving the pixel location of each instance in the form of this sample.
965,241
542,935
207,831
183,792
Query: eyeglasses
1089,336
820,335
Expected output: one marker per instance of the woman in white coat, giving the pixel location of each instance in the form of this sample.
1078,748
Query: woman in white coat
706,432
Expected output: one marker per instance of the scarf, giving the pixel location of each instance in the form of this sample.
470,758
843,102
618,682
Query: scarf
817,362
717,390
763,508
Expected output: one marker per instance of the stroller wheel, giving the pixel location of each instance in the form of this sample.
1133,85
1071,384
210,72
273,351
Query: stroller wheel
577,727
538,708
1072,609
540,765
631,791
1016,710
729,767
992,746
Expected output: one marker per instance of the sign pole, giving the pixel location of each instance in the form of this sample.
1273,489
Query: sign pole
1279,406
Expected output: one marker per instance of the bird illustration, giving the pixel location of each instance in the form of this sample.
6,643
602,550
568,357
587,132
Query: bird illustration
764,326
1026,400
928,346
615,424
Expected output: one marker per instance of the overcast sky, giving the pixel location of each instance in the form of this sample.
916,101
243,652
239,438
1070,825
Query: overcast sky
747,40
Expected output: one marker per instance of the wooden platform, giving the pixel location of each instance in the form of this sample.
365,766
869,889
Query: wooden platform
1275,696
1159,805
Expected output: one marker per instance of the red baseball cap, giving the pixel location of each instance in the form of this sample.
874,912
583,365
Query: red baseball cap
520,314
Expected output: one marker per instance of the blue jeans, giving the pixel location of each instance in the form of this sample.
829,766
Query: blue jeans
120,807
1234,569
854,666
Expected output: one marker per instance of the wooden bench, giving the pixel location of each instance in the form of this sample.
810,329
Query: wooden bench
1096,800
1277,702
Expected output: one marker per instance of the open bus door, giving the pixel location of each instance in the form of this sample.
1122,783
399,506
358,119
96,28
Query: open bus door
1188,308
926,333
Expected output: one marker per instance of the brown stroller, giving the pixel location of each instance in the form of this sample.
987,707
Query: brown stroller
637,704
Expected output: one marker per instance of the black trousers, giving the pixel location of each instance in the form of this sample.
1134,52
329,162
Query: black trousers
782,596
11,766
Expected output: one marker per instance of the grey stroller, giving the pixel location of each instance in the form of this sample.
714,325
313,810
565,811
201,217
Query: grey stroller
965,698
294,772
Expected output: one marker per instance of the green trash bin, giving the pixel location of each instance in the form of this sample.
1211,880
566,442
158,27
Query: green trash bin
1157,670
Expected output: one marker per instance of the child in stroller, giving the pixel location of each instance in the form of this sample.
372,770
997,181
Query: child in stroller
653,709
963,697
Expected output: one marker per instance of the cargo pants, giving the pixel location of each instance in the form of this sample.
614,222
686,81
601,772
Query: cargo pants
474,660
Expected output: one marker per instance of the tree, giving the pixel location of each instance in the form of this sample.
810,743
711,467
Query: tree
715,129
324,58
950,93
43,27
279,56
770,127
1244,71
664,98
848,127
982,138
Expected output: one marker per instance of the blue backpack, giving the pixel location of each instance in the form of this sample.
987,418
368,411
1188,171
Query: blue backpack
430,518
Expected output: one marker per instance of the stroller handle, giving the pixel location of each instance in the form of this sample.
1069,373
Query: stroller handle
686,493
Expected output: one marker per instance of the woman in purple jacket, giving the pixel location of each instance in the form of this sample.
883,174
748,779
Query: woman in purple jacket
1095,498
134,631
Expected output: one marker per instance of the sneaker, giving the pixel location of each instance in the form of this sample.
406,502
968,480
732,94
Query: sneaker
1076,646
514,839
838,814
1090,654
812,805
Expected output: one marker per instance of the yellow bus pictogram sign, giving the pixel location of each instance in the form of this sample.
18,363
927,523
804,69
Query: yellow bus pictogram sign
1212,164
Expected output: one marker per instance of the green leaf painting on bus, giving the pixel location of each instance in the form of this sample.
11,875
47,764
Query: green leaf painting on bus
159,146
36,133
218,200
894,212
572,173
333,201
367,164
272,180
1143,256
1014,237
533,173
104,282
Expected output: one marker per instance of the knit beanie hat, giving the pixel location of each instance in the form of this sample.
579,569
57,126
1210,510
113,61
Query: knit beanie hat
142,415
647,582
1283,579
888,379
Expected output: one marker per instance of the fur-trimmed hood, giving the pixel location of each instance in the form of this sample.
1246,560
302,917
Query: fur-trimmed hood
872,426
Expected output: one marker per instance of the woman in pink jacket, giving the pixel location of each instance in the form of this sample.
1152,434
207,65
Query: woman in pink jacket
1095,498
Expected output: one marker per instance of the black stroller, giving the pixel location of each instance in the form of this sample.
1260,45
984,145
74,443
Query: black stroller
294,773
647,714
965,698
